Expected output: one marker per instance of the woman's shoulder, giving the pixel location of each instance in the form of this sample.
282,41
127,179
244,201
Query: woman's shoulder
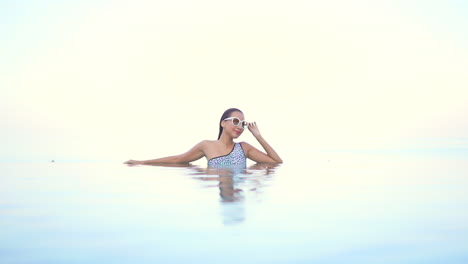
207,143
245,145
213,143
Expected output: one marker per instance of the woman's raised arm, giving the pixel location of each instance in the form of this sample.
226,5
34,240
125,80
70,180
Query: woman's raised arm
195,153
256,155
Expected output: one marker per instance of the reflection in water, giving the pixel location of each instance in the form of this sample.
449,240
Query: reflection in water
234,184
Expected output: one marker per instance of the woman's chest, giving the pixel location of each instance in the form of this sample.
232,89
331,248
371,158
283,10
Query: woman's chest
214,151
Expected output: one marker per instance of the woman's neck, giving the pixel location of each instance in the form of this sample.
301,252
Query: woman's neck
226,140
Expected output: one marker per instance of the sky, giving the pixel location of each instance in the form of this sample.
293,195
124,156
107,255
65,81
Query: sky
113,80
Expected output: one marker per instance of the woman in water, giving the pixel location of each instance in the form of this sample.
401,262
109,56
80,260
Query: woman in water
224,151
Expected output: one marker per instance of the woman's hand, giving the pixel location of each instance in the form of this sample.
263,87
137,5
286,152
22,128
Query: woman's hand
253,128
133,162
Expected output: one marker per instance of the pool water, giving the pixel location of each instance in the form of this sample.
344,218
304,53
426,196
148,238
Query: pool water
315,208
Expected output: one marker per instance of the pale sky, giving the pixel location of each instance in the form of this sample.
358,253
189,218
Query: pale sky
112,80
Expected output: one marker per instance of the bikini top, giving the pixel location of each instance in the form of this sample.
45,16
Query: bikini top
235,158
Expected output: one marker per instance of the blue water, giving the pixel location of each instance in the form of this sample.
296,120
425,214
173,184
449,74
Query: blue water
330,207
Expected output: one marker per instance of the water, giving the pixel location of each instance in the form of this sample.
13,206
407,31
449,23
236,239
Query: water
331,207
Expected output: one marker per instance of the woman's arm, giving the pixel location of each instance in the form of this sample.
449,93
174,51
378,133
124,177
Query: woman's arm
195,153
256,155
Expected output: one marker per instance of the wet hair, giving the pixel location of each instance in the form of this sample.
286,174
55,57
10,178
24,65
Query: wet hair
225,115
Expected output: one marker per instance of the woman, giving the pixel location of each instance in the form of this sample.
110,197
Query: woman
224,152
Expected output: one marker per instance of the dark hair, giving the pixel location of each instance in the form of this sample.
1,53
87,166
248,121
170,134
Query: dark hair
225,115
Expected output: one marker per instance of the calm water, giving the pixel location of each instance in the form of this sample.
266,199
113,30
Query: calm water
332,207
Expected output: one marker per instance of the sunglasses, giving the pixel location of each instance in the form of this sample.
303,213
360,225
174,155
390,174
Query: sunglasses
237,122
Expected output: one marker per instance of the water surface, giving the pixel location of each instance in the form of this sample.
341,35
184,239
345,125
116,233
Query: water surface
334,207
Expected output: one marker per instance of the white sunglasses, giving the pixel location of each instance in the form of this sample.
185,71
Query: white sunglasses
237,122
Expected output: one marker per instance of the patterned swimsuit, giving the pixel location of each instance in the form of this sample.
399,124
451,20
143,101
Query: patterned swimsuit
235,158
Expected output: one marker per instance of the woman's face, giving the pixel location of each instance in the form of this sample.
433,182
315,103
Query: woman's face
230,128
